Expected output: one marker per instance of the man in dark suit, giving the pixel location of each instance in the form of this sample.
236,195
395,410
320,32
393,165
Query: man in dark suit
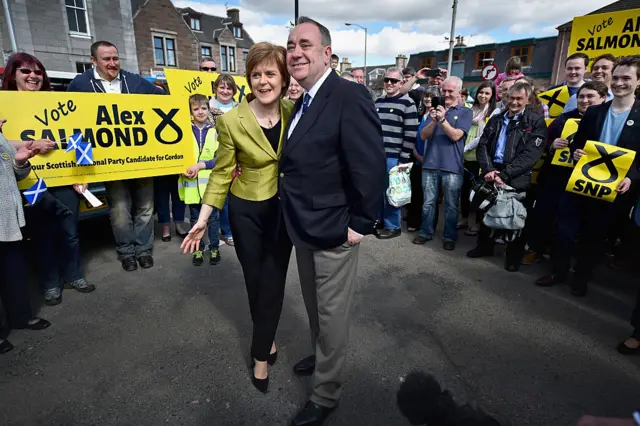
616,122
332,177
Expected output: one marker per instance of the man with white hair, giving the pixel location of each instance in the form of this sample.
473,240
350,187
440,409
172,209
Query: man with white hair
446,129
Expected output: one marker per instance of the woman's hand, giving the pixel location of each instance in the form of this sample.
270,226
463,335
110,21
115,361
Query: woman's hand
624,186
191,242
24,153
578,154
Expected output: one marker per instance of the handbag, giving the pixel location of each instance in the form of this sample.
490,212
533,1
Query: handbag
508,213
399,190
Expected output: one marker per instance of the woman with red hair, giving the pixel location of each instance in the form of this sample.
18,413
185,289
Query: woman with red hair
55,238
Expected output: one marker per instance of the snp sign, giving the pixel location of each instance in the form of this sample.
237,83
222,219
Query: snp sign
562,157
600,170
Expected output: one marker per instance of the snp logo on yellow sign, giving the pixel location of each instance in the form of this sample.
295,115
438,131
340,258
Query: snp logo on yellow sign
131,136
562,157
600,170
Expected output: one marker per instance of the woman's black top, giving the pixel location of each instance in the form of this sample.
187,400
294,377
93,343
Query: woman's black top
273,135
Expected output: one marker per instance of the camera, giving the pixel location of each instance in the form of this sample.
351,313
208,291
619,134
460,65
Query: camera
434,73
438,100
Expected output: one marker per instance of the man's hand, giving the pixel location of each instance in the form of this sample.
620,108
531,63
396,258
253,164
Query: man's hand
42,146
353,238
560,143
440,112
432,114
624,186
578,154
422,74
493,177
80,187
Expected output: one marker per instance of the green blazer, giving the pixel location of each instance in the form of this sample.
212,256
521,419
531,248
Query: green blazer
242,141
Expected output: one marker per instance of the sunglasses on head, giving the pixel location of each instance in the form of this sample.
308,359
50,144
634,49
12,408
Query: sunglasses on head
27,71
391,80
208,69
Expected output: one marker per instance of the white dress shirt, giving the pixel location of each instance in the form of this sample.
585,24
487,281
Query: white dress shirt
311,93
113,86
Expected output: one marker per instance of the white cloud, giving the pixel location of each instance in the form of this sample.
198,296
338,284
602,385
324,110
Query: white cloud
411,26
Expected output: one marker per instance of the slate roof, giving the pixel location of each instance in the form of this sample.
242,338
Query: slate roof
613,7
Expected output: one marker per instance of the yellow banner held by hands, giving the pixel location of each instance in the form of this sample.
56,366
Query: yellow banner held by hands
132,136
600,170
562,157
185,82
556,99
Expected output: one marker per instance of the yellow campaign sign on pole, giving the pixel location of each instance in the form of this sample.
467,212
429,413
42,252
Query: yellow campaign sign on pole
562,157
617,33
185,82
600,170
555,99
131,136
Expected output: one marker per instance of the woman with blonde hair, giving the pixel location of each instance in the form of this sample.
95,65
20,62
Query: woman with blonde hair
252,135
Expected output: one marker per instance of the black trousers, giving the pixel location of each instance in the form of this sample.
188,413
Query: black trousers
414,211
635,318
472,170
263,248
14,286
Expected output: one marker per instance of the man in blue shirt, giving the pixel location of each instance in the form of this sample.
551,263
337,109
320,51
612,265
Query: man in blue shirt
445,131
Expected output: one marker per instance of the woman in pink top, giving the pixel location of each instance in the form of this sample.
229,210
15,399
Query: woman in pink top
513,68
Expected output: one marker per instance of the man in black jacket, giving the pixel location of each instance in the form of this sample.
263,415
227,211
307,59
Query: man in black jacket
616,122
131,201
332,177
511,144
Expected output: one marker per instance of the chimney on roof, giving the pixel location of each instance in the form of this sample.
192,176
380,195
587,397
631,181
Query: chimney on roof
234,15
401,61
345,64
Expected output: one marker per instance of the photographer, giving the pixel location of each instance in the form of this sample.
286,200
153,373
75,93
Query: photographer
511,144
436,77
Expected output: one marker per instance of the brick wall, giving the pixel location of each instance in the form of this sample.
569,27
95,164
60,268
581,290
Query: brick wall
161,18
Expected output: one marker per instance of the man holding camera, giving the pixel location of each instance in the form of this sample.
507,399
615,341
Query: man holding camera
511,144
446,129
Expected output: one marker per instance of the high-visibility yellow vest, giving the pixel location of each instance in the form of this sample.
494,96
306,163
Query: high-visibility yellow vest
192,190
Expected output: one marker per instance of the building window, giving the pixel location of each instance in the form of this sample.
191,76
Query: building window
237,32
164,50
228,58
483,58
77,16
223,58
524,52
205,51
456,57
232,59
244,56
195,24
83,66
425,62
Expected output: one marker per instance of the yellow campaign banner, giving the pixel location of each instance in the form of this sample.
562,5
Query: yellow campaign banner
185,82
548,121
131,136
617,33
600,170
555,99
562,157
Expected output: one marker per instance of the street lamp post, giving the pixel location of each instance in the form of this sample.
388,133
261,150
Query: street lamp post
366,76
452,37
295,11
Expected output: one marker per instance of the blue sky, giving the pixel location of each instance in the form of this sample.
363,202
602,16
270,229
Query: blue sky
403,27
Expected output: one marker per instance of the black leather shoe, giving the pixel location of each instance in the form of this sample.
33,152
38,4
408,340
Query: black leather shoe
146,262
272,358
514,267
449,245
5,347
129,264
40,324
579,287
312,415
478,252
385,234
550,280
166,238
626,350
421,240
306,366
261,384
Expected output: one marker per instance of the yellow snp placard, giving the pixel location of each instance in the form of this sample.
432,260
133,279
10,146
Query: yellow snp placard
548,121
562,157
617,33
600,170
555,99
185,82
131,136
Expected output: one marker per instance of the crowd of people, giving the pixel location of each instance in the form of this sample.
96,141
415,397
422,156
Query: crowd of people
251,182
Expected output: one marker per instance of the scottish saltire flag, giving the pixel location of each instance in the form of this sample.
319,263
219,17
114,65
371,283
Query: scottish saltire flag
73,141
84,154
34,193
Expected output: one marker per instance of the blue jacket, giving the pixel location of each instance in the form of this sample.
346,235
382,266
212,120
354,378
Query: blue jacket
131,83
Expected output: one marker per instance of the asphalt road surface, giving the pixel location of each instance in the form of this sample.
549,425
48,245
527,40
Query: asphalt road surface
170,345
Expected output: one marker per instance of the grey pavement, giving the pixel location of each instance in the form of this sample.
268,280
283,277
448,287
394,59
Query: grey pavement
170,345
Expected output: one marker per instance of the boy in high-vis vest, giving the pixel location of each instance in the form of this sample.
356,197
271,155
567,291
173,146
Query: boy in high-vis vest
193,182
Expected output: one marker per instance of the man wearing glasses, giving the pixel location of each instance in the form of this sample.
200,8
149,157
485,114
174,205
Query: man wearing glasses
399,119
208,65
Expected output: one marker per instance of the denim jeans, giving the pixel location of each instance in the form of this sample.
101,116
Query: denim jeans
451,185
54,240
224,219
389,214
131,215
212,229
165,188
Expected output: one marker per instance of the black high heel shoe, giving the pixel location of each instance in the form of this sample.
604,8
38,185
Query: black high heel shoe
261,384
272,358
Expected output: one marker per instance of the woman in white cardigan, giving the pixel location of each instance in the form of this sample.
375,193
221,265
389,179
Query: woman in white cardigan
14,283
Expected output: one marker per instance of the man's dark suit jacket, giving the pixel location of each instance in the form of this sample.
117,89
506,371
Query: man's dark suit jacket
591,126
332,171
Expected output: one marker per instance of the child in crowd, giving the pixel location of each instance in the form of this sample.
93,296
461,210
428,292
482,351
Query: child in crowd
513,68
193,182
